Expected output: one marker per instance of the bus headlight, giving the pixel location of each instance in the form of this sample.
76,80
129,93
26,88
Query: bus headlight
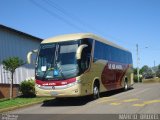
78,81
37,85
74,83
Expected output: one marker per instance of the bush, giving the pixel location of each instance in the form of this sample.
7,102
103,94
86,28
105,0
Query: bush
136,79
158,73
27,88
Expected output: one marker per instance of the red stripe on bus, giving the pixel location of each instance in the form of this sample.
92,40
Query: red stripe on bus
55,82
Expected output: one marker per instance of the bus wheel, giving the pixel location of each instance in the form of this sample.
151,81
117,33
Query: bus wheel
125,85
95,92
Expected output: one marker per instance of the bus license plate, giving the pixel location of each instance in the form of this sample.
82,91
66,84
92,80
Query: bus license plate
54,93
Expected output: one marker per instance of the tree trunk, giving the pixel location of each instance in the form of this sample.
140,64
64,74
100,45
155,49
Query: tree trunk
11,86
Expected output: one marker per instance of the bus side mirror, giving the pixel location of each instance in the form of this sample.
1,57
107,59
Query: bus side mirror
79,51
30,54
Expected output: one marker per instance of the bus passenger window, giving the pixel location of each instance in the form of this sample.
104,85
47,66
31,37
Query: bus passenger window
85,60
84,63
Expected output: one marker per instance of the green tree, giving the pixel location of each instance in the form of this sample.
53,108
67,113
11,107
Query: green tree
135,71
144,69
11,64
147,72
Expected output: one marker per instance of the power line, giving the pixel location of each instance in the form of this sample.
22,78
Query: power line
61,14
71,16
149,49
55,15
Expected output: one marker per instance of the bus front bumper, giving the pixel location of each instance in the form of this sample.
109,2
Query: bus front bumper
59,91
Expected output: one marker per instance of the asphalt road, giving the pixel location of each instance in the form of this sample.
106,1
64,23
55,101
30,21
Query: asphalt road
143,98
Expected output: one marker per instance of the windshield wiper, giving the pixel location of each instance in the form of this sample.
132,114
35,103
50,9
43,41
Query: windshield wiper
56,64
60,70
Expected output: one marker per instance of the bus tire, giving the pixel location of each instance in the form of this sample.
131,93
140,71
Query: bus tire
126,85
96,90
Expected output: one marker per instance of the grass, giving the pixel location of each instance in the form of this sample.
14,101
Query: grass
6,104
152,80
4,99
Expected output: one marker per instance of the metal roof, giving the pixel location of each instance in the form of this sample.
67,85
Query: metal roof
19,32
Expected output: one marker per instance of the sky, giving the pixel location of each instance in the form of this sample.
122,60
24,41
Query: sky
124,22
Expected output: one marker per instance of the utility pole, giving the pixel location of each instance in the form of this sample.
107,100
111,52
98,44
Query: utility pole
154,69
137,61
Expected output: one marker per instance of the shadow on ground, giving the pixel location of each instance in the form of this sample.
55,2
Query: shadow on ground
114,92
78,101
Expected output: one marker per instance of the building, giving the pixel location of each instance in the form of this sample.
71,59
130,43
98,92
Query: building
14,43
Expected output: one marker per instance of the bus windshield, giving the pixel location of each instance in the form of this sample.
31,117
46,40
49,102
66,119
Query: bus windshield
57,61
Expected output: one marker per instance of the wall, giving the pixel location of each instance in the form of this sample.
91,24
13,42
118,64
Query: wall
5,90
15,44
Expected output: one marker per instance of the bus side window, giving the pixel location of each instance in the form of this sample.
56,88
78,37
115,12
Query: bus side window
84,63
85,59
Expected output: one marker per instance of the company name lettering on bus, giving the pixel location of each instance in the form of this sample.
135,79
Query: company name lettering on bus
48,84
114,66
63,83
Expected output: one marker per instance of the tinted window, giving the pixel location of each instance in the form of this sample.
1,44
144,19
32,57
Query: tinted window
84,62
107,52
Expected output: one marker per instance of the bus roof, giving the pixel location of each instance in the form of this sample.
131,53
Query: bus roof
77,36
